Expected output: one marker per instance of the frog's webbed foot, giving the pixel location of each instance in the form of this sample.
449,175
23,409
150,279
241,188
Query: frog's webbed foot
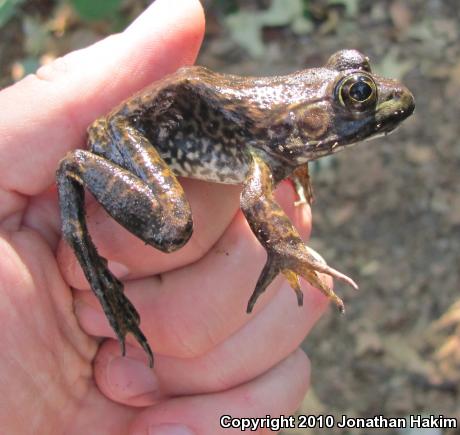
302,184
295,262
120,312
286,252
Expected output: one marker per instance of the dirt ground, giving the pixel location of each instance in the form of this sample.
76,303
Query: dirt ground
387,212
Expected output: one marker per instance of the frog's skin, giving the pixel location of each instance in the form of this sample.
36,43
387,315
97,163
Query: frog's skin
226,129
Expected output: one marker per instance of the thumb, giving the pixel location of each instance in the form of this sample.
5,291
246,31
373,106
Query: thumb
49,111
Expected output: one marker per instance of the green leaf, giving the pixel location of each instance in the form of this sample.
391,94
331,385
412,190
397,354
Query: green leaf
35,35
282,12
227,6
306,8
246,27
393,66
351,6
287,12
96,10
8,9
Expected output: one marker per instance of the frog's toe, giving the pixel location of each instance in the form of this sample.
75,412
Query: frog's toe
127,321
267,275
294,282
312,267
318,281
122,314
313,260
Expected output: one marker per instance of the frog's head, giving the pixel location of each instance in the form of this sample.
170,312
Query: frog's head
346,103
365,105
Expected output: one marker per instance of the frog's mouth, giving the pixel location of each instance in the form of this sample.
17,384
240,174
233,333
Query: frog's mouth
392,112
387,118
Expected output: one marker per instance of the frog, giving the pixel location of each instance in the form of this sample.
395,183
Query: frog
221,128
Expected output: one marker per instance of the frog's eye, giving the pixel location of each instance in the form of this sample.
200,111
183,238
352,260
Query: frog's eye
357,92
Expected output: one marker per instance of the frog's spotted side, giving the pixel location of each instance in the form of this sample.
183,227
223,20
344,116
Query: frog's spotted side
225,129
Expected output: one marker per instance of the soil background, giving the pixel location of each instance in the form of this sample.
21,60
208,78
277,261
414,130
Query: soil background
387,212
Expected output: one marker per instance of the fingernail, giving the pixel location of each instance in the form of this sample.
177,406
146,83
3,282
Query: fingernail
130,378
118,269
170,429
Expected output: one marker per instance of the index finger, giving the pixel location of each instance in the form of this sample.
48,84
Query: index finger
48,112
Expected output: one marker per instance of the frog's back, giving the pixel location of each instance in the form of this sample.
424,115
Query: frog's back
202,122
198,121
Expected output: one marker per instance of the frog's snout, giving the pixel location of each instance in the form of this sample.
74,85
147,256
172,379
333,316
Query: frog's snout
404,100
397,103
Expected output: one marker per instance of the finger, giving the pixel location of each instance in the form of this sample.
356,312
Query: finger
217,287
213,206
268,337
75,89
279,391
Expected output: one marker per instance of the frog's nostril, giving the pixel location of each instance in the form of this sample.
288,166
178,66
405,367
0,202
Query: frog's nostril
403,101
390,96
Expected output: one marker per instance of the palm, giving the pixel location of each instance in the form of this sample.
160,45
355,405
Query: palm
42,336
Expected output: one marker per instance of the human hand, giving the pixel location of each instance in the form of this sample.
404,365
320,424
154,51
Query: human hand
211,358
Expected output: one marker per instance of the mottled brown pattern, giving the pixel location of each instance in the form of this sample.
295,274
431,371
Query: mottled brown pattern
302,184
314,121
227,129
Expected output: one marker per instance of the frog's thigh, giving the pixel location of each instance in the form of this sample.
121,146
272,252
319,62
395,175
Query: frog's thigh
141,208
140,157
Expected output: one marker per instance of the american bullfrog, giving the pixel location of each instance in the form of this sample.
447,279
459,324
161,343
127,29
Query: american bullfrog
254,131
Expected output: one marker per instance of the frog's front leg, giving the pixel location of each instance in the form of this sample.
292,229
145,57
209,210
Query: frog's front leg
286,253
140,193
302,184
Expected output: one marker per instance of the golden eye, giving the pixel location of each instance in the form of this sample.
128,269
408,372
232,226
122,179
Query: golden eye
357,92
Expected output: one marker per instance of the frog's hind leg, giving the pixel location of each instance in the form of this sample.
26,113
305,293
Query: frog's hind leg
154,206
121,314
138,201
286,252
